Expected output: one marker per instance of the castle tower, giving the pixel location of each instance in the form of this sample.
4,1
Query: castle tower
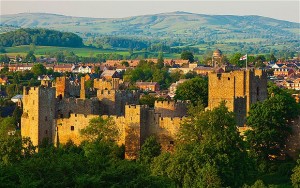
38,114
135,129
61,86
82,88
239,89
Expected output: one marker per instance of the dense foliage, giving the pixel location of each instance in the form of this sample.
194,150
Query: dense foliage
209,152
148,71
41,37
270,122
195,90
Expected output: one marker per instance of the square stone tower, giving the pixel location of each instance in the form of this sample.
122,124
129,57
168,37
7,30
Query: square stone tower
38,114
239,89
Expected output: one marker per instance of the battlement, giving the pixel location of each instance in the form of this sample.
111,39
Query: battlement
77,101
80,116
171,108
171,118
36,89
107,92
170,104
133,106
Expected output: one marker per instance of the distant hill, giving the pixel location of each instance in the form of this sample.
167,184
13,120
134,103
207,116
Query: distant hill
41,37
174,24
174,29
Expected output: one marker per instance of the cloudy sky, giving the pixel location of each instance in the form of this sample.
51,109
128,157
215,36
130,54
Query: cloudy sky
283,10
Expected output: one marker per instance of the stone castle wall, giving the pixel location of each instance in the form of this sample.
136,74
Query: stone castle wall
113,101
102,84
239,89
67,106
66,88
171,108
38,113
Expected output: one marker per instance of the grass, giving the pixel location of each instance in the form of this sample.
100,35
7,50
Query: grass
42,50
84,51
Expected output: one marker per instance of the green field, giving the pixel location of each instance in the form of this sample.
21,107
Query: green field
42,50
81,52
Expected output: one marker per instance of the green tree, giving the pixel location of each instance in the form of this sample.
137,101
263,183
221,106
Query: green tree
296,175
100,129
4,59
160,61
147,100
5,69
270,123
125,63
38,69
209,152
235,60
150,149
30,57
187,56
195,90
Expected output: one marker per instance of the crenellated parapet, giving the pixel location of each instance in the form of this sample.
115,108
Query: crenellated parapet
171,108
67,106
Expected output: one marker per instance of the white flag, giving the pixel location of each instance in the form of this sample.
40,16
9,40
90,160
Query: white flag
243,57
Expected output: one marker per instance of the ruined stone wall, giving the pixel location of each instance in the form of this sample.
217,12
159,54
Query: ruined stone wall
67,129
67,106
102,84
113,101
66,88
171,108
38,113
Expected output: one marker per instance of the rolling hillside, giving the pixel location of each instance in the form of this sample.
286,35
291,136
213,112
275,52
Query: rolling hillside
166,25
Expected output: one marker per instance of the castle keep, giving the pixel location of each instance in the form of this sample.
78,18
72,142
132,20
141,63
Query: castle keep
239,89
58,112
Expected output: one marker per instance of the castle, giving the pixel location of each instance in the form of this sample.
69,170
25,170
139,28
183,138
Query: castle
58,112
239,89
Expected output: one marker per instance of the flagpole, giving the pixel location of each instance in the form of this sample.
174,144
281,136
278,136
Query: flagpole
246,61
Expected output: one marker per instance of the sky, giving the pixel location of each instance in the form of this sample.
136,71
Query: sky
283,10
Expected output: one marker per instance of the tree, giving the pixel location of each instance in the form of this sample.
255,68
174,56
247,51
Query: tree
100,129
296,175
187,56
30,57
5,69
270,123
125,63
160,61
150,149
209,152
147,100
195,90
4,59
38,69
273,58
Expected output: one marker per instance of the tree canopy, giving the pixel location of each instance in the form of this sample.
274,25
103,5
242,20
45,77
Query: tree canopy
209,152
41,37
187,56
270,122
195,89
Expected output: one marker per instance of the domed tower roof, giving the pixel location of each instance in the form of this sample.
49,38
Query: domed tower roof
217,53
